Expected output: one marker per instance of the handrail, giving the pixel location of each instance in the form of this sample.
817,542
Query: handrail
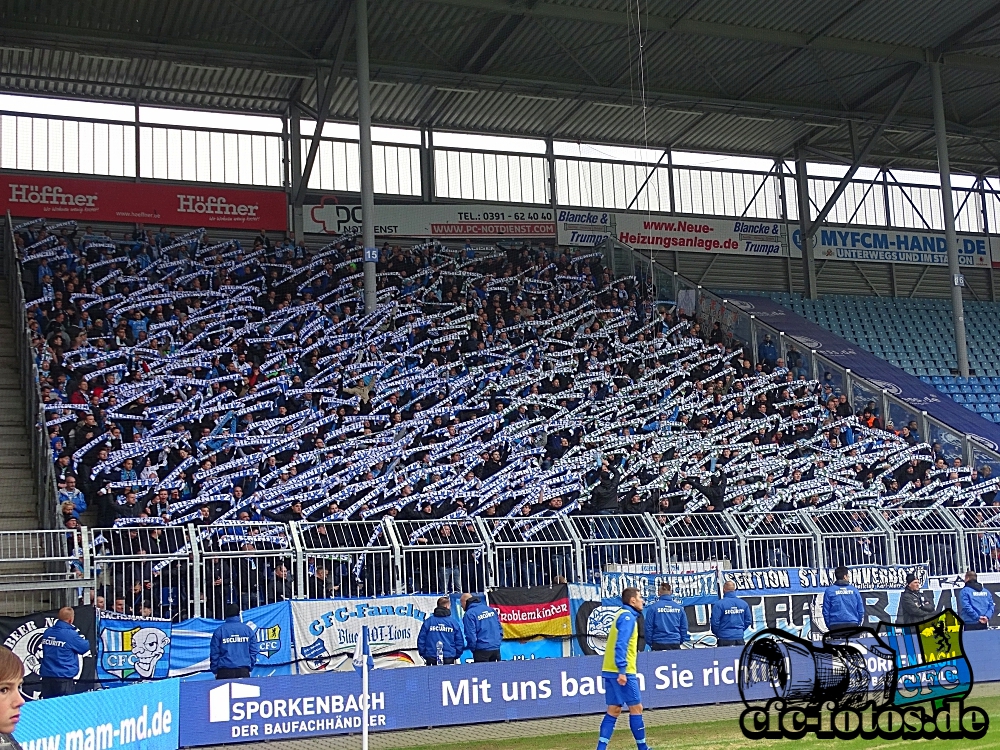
34,416
640,262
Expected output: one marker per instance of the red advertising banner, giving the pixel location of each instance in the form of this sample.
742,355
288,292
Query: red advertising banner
32,196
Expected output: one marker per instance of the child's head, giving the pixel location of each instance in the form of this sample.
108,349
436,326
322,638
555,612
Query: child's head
11,676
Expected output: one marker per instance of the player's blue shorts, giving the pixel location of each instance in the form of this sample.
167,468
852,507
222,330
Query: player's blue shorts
622,695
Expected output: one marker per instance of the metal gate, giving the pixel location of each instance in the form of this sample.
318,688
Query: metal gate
147,570
852,537
530,551
779,539
355,557
924,535
440,557
698,541
618,540
239,560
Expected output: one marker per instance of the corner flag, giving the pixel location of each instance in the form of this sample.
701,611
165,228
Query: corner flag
363,650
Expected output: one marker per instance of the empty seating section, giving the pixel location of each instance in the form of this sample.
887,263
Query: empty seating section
916,335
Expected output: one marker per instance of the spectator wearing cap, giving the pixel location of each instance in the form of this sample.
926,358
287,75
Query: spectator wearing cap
914,606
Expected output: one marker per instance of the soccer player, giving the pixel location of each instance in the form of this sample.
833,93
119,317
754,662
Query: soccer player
621,686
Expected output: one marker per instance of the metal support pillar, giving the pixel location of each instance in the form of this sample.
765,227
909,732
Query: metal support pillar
427,165
808,262
948,207
550,159
367,173
138,140
295,167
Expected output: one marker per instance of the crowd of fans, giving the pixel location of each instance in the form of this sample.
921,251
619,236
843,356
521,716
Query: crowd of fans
192,382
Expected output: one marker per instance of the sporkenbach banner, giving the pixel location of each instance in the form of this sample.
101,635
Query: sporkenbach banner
255,710
530,612
646,232
436,221
816,580
23,636
32,196
880,373
327,630
136,717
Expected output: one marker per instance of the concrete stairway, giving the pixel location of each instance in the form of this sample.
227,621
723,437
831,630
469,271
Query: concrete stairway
18,504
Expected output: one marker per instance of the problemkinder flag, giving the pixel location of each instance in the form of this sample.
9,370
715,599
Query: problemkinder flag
529,612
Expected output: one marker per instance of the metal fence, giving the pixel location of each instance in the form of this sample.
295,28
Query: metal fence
748,329
42,570
194,571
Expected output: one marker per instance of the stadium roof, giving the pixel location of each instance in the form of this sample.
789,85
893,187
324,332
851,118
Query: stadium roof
735,76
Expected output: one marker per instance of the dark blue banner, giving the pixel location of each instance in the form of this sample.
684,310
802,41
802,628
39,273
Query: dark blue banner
277,708
880,373
216,713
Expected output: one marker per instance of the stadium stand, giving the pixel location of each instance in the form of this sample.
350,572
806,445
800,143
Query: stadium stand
915,335
237,389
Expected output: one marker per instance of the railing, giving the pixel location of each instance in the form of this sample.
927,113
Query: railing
182,572
692,298
34,415
41,570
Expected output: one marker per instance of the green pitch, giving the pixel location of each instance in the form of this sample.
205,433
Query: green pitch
722,735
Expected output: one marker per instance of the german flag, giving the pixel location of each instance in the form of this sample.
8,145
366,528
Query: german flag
529,612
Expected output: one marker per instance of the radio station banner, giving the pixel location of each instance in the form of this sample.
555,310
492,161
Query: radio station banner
816,580
529,612
23,636
690,588
327,630
145,716
39,196
131,649
896,246
436,221
654,232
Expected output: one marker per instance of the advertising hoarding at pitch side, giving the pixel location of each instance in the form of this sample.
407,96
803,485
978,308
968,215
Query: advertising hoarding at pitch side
437,221
33,195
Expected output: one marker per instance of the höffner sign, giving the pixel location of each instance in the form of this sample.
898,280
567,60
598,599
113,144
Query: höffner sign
31,196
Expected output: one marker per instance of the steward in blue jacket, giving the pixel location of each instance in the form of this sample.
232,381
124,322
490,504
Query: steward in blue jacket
234,647
666,621
730,617
62,647
440,638
843,605
483,632
975,604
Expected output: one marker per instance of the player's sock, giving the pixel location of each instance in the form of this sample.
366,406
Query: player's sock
638,730
607,728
